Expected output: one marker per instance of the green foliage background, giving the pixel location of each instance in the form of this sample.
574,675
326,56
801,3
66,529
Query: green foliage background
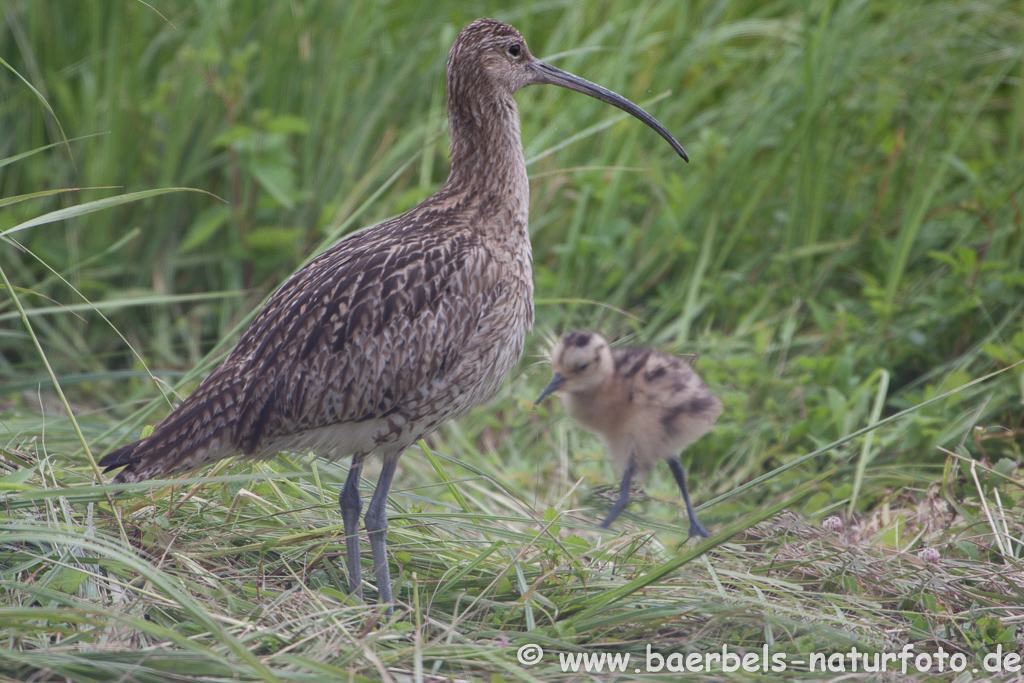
846,243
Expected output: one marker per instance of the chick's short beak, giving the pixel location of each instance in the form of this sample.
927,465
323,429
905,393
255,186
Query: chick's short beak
554,385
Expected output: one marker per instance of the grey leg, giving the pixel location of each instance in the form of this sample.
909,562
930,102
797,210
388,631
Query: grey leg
696,528
623,499
377,525
351,506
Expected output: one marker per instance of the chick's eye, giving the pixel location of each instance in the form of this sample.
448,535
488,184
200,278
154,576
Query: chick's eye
514,49
583,367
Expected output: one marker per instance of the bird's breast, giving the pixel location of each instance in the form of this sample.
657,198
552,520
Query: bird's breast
496,346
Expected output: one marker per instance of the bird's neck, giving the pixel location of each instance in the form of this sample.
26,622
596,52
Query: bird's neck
486,148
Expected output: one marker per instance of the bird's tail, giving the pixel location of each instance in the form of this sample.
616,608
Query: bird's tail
178,444
198,432
125,455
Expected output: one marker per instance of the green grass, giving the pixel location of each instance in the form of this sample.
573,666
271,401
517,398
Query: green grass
844,254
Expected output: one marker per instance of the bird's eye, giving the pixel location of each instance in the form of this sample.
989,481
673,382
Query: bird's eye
583,367
515,49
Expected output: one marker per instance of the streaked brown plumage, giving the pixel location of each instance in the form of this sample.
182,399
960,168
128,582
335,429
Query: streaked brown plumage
397,329
646,406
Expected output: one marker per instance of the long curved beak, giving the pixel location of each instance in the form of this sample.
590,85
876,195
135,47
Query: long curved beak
545,73
554,385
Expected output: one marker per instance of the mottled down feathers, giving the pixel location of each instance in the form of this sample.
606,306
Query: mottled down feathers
645,405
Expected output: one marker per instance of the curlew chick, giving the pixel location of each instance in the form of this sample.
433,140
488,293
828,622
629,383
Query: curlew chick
645,405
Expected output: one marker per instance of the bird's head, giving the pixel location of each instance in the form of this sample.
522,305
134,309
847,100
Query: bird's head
581,362
491,55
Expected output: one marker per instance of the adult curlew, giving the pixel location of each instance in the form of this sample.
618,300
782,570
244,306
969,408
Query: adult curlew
397,329
646,406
